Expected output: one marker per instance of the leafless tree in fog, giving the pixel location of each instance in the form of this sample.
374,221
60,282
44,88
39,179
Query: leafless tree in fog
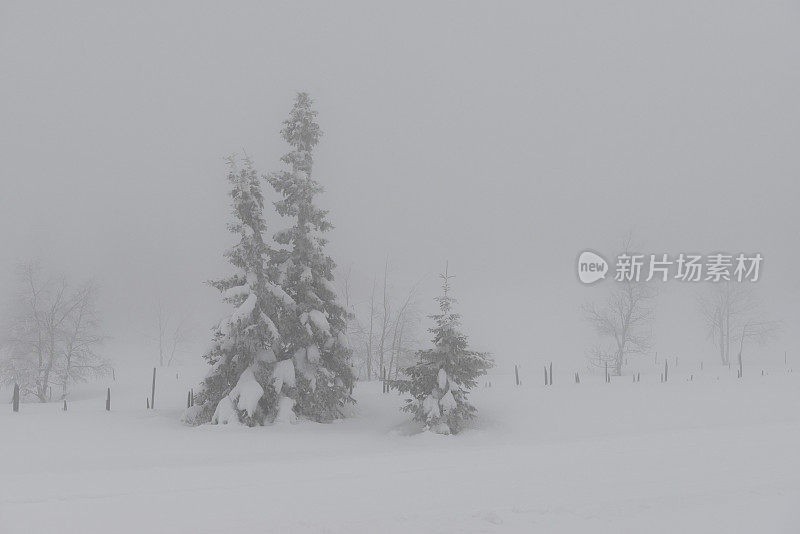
625,321
52,334
171,334
370,336
406,320
386,321
383,330
360,335
81,339
354,330
733,317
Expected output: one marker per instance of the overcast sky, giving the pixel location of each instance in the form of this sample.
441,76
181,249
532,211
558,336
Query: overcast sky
504,138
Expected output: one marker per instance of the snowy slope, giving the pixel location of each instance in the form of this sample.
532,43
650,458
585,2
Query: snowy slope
707,455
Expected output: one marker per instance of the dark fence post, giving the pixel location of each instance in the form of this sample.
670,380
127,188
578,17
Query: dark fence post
153,391
741,370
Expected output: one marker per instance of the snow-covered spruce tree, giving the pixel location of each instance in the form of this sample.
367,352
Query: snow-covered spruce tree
441,379
240,385
312,334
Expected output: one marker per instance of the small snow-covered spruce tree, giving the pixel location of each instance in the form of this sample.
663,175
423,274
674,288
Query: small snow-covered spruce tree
312,335
239,386
441,379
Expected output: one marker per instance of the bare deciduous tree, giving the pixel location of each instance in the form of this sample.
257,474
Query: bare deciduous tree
169,338
354,330
733,316
625,321
52,334
405,321
360,337
386,321
383,335
371,334
81,339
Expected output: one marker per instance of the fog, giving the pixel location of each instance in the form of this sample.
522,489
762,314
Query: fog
503,139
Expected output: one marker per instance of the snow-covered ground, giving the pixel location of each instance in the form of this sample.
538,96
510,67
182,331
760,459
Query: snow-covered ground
707,455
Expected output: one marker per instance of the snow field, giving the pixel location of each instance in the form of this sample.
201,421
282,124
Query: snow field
705,455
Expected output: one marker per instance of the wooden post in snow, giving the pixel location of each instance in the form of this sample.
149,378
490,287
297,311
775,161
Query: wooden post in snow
15,398
108,399
516,373
153,391
741,371
551,373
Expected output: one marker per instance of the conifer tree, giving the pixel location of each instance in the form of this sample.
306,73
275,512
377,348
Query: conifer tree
312,333
240,385
440,381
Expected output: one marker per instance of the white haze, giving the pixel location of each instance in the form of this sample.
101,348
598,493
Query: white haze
504,138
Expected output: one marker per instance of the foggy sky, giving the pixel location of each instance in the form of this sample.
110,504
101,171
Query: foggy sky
504,139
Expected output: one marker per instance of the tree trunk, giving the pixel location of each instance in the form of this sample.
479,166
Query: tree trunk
728,339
